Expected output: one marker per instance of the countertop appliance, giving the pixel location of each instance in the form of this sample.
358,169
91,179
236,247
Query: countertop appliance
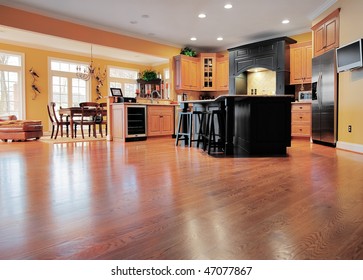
324,99
304,96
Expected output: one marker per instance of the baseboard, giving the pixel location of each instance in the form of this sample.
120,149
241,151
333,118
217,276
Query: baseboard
357,148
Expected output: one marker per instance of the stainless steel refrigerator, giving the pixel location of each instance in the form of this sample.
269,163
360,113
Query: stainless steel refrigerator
324,99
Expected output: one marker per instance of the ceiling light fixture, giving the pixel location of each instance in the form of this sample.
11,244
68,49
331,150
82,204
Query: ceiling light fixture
193,39
285,21
202,15
220,38
228,6
90,71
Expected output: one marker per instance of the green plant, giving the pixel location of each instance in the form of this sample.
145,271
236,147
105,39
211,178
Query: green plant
148,75
188,51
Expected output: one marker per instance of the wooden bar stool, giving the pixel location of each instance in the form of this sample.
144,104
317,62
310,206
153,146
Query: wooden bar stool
184,131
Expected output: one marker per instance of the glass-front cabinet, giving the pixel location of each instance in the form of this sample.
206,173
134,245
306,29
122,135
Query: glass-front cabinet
208,64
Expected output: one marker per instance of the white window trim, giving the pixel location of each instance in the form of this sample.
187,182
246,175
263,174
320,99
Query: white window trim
67,74
23,78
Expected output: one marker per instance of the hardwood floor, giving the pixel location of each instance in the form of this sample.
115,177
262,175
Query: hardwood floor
152,200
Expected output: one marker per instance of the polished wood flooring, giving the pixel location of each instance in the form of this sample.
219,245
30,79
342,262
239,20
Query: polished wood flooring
152,200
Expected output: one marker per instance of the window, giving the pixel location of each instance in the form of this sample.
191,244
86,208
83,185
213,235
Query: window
11,85
166,83
66,89
125,79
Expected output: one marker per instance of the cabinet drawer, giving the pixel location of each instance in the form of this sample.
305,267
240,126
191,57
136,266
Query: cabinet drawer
300,130
301,116
301,107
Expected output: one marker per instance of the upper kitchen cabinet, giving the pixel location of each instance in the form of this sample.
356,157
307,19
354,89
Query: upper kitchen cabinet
301,63
326,33
186,72
222,73
208,70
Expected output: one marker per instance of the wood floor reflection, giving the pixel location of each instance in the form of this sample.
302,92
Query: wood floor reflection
152,200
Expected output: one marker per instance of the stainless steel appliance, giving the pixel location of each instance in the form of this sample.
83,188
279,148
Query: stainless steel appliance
324,99
304,96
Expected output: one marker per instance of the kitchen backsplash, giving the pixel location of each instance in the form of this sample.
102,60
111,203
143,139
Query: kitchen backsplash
264,82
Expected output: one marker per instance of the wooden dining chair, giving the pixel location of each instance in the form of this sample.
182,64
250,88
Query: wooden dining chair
90,116
56,122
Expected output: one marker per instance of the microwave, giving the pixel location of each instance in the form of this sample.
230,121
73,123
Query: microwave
304,96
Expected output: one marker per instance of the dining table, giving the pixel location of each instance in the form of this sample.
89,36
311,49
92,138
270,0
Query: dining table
72,112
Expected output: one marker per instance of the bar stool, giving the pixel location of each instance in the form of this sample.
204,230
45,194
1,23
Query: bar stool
197,124
184,131
210,135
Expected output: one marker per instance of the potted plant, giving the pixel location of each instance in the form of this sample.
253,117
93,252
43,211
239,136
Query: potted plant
148,75
188,51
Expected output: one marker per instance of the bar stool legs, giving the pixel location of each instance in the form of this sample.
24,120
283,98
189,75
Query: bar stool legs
210,136
184,131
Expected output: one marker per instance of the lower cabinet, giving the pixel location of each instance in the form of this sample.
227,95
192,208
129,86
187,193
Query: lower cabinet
301,119
160,120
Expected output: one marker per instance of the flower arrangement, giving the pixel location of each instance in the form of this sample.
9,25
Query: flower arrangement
148,75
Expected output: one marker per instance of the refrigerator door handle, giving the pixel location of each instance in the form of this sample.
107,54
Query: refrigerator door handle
318,88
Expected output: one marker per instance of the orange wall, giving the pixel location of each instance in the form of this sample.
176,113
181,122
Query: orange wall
38,60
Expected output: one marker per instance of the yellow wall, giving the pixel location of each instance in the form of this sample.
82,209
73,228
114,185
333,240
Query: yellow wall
350,100
304,37
38,60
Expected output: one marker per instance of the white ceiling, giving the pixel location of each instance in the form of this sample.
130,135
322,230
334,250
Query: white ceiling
172,22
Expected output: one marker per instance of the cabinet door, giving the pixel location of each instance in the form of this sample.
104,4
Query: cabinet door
160,120
193,75
186,73
208,70
331,34
326,33
301,63
319,40
222,74
118,122
308,64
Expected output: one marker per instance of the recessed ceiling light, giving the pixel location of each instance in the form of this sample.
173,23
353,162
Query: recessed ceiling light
220,38
202,15
193,39
285,21
228,6
145,16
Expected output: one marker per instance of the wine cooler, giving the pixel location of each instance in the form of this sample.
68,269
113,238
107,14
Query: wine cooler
136,122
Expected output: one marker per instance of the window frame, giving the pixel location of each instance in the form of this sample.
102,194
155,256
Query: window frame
120,80
69,76
21,70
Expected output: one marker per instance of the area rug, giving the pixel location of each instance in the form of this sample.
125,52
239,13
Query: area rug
60,140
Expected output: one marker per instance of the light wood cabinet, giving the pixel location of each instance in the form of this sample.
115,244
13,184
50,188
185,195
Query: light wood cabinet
301,119
160,120
208,70
326,33
118,128
222,73
301,63
186,72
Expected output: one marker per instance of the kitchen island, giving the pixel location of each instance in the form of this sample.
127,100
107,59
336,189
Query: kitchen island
254,124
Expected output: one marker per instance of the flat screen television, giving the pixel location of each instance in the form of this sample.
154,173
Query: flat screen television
349,56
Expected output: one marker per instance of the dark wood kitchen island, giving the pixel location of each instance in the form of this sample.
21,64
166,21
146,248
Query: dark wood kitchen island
254,124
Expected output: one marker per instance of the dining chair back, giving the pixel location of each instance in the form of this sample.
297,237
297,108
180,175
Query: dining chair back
91,114
56,122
